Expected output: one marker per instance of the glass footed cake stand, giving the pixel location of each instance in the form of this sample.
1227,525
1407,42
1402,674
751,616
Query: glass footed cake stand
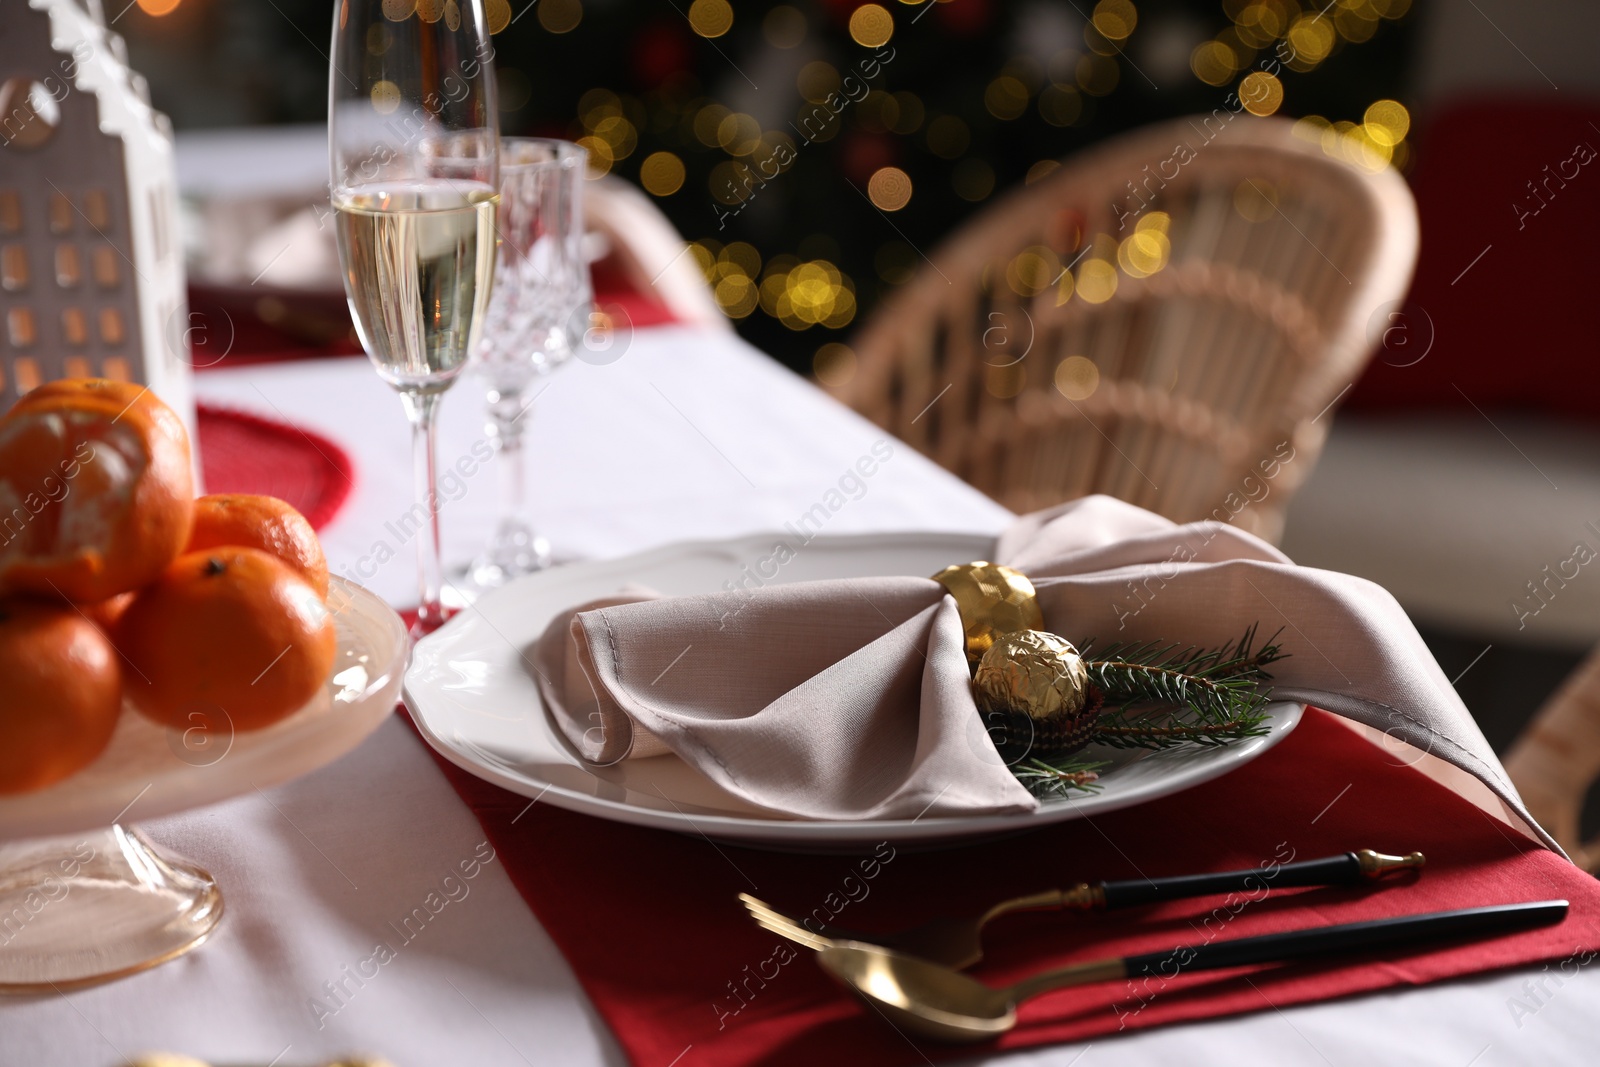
87,898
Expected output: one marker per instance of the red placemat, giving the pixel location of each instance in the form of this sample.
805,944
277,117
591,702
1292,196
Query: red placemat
244,453
650,923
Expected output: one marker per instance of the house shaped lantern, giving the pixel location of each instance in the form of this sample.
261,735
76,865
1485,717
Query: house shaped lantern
91,269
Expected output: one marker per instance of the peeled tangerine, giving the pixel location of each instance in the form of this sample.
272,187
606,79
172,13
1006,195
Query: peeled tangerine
96,491
61,694
227,630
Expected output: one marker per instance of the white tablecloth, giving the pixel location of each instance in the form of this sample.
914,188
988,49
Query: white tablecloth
687,436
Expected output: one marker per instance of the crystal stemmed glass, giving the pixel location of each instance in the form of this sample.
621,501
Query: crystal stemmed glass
533,324
414,143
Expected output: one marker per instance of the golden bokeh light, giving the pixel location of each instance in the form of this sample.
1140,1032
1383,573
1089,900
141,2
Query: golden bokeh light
1006,98
1077,378
784,27
736,295
385,97
1255,199
1261,93
1005,382
1032,271
871,26
600,155
889,188
396,10
709,18
740,257
1115,19
948,137
816,80
1144,252
661,173
739,134
973,179
910,112
497,14
1041,170
834,364
1387,122
1097,281
560,16
1098,75
379,38
1311,39
430,10
1213,62
707,121
452,16
1060,105
157,8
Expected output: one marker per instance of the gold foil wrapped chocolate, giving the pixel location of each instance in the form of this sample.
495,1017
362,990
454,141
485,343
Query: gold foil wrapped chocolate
993,600
1032,672
1033,690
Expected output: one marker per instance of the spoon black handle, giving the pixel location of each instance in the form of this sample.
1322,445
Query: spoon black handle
1349,937
1347,868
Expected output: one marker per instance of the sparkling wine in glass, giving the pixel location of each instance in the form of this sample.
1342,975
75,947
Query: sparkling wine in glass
414,146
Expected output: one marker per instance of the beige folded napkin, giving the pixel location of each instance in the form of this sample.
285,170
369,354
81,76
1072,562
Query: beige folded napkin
851,699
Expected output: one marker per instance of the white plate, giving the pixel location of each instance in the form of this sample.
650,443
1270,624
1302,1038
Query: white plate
472,694
148,770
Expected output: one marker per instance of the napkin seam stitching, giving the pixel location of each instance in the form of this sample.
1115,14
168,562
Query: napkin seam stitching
616,662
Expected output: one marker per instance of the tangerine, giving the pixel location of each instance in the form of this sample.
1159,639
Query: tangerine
263,522
96,490
227,628
62,694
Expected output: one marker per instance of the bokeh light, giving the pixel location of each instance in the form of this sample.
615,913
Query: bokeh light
948,137
1115,19
973,179
1097,281
889,188
560,16
871,26
1077,378
708,18
834,364
1255,199
661,173
1006,98
497,14
1387,122
1261,93
784,27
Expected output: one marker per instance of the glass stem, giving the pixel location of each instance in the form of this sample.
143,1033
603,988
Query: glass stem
505,427
420,409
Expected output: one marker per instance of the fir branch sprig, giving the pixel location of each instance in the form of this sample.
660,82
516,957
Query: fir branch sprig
1159,696
1064,776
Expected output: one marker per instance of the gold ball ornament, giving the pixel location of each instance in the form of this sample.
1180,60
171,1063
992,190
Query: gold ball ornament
993,600
1038,677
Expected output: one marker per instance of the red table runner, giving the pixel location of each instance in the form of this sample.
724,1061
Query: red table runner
650,923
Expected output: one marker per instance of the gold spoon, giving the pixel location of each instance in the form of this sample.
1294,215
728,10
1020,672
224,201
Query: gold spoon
941,1003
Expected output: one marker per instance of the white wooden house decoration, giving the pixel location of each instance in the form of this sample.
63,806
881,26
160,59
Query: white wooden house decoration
91,268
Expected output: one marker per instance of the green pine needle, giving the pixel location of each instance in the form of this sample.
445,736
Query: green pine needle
1064,776
1159,696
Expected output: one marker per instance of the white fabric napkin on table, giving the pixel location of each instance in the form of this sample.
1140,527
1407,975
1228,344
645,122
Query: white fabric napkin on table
851,699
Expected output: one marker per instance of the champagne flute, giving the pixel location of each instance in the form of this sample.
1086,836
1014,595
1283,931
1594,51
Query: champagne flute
414,141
